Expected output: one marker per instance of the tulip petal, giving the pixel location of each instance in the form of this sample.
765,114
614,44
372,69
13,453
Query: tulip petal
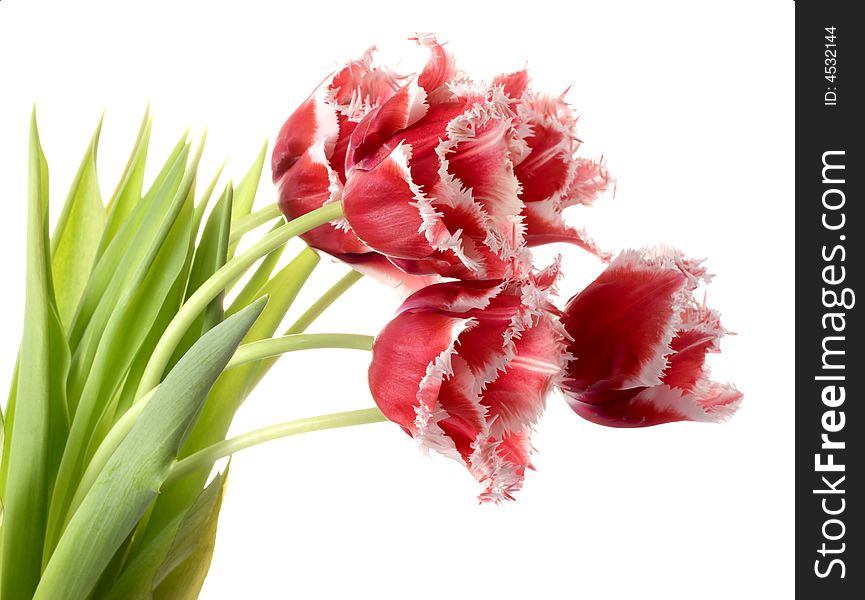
441,66
500,464
312,122
359,87
700,332
454,297
624,321
477,152
340,147
382,207
423,137
661,404
382,270
308,185
547,168
489,254
404,374
389,212
590,180
513,84
518,394
404,108
545,224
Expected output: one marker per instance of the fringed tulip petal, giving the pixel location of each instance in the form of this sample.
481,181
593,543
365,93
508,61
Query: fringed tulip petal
514,85
390,213
545,225
441,67
402,109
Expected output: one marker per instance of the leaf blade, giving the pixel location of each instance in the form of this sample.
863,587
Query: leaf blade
76,238
31,469
133,475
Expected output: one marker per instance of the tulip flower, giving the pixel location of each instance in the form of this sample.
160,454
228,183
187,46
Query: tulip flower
439,176
465,368
639,345
309,155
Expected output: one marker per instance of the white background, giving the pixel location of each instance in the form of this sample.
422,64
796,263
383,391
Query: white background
692,105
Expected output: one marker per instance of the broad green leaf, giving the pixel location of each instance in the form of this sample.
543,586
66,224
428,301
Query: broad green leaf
189,536
182,574
230,390
77,234
128,191
39,412
244,193
133,475
172,256
128,325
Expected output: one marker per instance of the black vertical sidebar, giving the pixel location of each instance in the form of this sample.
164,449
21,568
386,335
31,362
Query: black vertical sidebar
830,301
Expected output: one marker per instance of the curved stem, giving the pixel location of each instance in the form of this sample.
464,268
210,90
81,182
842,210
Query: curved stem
206,457
246,224
326,299
289,343
211,288
307,318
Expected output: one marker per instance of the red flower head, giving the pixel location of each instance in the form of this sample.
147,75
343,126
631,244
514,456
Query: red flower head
308,160
551,174
438,176
639,344
465,368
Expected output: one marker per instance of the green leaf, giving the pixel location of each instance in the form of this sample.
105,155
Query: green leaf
133,475
244,193
252,289
128,191
182,574
210,255
230,390
7,432
174,259
180,554
77,234
208,192
113,348
127,249
39,412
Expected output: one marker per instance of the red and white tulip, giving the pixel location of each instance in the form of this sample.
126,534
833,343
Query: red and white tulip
639,341
465,368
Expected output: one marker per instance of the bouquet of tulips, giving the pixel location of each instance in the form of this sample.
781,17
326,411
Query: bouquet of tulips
133,361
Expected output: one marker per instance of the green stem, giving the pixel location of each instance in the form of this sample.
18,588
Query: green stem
211,288
307,318
206,457
246,224
268,348
326,299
